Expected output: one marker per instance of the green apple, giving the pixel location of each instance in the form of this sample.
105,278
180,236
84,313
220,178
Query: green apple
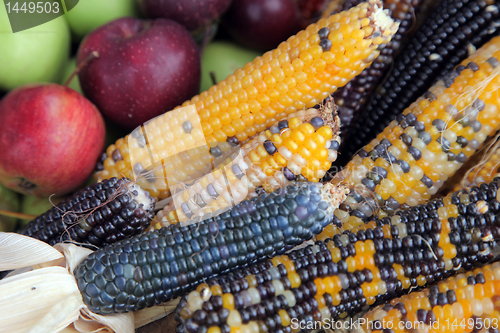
90,14
223,58
34,55
75,83
9,201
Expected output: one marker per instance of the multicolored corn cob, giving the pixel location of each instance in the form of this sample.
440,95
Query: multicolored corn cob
409,161
301,147
156,266
487,169
99,214
338,277
440,44
299,74
354,95
468,302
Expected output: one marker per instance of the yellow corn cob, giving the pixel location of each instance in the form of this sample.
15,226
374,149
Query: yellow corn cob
409,161
302,147
298,74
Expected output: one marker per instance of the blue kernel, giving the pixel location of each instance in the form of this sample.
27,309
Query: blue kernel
317,122
106,298
288,231
323,205
233,249
120,283
212,227
256,229
222,225
215,253
174,282
92,290
302,200
169,254
165,283
251,207
207,256
273,222
315,198
316,228
98,268
313,188
301,212
178,237
118,269
282,222
207,270
224,252
195,246
174,268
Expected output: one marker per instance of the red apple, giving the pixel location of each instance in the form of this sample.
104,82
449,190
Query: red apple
50,139
261,24
143,69
193,14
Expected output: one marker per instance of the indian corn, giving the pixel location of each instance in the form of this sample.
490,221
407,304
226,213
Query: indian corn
409,161
301,147
157,266
99,214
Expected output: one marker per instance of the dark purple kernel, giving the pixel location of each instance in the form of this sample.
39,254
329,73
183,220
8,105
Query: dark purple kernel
325,44
323,32
283,124
301,212
493,62
473,66
237,171
317,122
270,147
233,140
116,155
186,210
288,174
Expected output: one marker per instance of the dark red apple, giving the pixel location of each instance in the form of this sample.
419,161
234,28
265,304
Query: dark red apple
261,24
193,14
50,139
142,69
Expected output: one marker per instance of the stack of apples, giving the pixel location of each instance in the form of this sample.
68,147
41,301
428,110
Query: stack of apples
109,66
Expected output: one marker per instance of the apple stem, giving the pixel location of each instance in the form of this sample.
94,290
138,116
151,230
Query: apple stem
17,215
212,76
78,68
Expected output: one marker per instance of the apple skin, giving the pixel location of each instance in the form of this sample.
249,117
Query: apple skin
50,139
223,58
33,55
144,69
88,15
193,14
261,24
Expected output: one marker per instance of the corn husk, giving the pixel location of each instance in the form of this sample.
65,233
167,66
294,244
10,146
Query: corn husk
41,294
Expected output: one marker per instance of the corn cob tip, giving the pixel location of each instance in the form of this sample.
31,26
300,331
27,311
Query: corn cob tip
142,196
335,194
383,23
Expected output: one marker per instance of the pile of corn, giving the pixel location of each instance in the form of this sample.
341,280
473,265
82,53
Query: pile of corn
236,174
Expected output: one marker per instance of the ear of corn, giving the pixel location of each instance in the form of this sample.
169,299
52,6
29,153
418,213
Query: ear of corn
440,44
354,95
99,214
157,266
468,302
340,276
299,74
487,169
301,147
409,161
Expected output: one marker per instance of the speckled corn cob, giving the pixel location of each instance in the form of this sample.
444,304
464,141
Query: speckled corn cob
440,44
353,96
299,74
468,302
487,169
340,276
99,214
429,141
301,147
156,266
